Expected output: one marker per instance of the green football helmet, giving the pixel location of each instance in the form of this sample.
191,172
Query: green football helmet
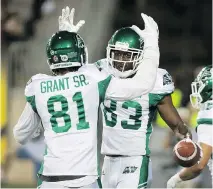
202,87
125,52
66,49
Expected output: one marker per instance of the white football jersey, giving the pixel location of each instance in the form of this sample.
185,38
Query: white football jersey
205,115
127,124
69,119
205,127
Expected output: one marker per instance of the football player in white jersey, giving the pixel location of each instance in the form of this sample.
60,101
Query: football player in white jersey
201,98
127,124
66,104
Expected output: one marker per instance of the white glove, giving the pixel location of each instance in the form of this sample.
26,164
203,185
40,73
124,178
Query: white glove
150,33
65,21
173,181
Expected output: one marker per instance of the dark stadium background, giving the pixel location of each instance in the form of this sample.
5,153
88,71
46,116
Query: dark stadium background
185,44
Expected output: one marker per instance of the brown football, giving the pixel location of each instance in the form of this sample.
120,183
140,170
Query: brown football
186,153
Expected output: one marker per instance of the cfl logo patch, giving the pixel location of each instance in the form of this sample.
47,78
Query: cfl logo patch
64,58
130,169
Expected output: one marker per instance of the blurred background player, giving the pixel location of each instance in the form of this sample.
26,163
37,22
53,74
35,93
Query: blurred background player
188,114
201,98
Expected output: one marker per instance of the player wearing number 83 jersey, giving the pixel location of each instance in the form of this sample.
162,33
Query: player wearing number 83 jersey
127,124
127,130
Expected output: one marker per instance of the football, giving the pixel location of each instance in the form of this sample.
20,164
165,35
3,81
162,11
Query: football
186,153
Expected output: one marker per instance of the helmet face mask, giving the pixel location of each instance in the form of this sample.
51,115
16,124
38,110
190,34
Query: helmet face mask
124,52
202,88
195,98
66,50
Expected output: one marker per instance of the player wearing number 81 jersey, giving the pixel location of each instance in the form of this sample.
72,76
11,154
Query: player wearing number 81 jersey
62,103
66,103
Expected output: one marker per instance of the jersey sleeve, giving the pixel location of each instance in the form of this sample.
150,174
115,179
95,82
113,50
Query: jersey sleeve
130,88
163,86
30,92
205,114
204,132
27,125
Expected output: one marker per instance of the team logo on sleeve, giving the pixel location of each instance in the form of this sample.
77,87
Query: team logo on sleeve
167,79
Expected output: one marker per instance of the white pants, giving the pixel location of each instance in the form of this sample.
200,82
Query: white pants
44,184
125,172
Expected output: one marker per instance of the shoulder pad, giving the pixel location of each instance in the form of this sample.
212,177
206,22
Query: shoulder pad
88,68
92,71
164,83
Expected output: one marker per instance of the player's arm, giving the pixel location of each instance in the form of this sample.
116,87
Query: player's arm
130,88
204,132
194,171
205,141
27,125
170,115
144,79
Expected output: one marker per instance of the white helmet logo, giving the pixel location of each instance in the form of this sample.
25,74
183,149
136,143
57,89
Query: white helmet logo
121,45
64,58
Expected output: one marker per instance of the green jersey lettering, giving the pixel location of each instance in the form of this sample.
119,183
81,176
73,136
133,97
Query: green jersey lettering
54,85
63,113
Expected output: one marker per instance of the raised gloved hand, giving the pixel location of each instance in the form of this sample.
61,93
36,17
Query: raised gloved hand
65,21
150,33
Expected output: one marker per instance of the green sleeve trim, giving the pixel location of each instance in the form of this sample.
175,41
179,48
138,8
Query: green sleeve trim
208,121
102,87
154,99
31,100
